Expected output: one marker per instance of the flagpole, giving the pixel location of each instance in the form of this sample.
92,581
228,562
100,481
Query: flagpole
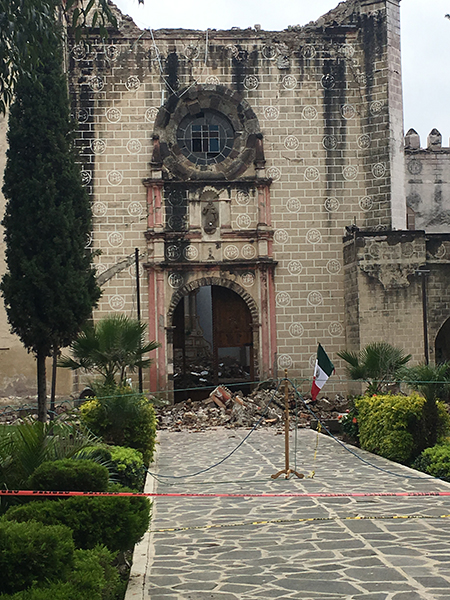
287,470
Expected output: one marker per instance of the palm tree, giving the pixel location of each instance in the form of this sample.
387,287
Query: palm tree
110,348
378,364
25,446
432,381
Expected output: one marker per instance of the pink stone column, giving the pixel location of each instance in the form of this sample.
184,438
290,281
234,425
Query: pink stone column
154,203
161,330
268,323
272,322
264,216
152,327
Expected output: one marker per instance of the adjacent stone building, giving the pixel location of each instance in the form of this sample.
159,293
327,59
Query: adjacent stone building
233,163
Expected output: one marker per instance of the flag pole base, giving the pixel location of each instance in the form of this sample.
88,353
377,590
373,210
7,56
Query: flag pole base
287,472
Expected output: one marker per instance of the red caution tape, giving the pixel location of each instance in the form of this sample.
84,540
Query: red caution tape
250,495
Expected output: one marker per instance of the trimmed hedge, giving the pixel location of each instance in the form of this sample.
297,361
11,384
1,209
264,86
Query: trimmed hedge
70,475
127,465
124,418
435,461
92,578
32,552
394,426
113,521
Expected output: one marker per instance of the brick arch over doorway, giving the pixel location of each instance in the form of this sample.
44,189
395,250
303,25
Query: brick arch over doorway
213,331
219,281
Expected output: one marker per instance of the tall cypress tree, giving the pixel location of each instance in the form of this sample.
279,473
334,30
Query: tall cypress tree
50,288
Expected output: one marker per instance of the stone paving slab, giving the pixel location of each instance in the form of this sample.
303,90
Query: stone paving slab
308,548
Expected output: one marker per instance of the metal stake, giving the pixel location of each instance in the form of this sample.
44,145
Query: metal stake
287,470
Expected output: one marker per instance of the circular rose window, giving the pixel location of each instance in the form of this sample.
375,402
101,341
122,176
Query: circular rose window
206,138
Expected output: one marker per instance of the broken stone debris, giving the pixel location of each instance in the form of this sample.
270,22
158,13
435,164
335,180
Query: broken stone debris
223,408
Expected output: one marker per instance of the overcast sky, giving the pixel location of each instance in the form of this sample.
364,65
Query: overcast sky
425,41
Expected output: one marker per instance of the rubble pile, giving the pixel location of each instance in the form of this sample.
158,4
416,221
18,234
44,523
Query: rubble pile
15,408
222,408
226,409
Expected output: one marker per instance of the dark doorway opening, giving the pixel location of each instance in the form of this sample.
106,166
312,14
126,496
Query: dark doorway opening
442,344
212,343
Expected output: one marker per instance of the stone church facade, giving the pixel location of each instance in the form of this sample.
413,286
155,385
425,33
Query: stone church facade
259,177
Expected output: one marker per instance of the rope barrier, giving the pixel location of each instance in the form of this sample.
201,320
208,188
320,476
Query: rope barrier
157,476
355,454
321,426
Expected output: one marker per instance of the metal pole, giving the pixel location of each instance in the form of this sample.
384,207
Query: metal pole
425,318
423,274
286,423
138,303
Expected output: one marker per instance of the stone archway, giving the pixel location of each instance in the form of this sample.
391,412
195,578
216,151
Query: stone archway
214,337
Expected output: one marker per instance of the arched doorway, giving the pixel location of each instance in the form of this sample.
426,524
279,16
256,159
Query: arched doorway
212,341
442,343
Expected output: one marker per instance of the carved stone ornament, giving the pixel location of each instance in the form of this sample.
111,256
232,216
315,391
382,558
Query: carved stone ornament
227,146
210,217
389,263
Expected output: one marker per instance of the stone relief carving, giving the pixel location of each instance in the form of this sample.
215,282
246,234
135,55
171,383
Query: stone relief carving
392,264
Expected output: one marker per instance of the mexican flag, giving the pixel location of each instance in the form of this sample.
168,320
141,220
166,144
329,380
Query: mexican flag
323,369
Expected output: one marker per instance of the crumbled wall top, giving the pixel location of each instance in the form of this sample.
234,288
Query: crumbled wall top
344,14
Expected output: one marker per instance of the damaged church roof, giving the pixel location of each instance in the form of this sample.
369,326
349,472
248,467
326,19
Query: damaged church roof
342,15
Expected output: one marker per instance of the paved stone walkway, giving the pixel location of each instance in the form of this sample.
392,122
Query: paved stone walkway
309,548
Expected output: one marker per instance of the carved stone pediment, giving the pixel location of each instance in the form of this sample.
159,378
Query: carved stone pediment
392,263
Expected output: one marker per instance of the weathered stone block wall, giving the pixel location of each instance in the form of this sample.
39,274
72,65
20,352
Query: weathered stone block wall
437,285
428,182
384,298
321,95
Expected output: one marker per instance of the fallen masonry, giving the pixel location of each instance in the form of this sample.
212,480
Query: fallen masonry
231,410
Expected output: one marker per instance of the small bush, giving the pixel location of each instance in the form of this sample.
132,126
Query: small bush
350,425
393,426
127,466
123,418
32,552
116,522
103,582
68,474
435,461
93,578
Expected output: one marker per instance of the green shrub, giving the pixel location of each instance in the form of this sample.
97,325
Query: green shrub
103,582
393,426
32,552
93,578
68,474
23,447
117,522
435,461
124,418
127,467
350,425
